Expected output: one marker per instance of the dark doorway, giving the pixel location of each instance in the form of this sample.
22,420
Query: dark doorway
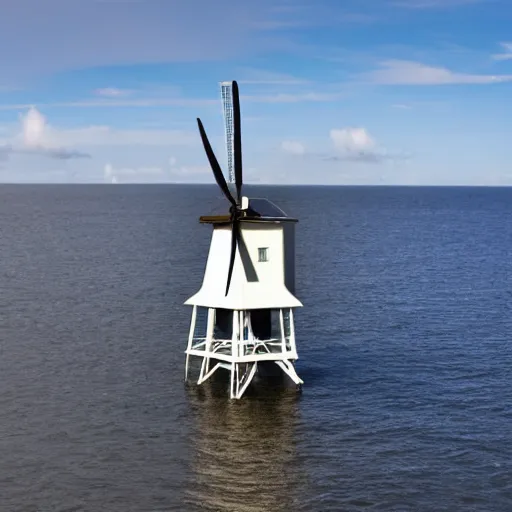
223,323
261,321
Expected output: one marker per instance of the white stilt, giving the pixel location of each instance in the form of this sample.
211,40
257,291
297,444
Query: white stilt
234,350
241,353
190,338
205,364
281,329
288,368
293,346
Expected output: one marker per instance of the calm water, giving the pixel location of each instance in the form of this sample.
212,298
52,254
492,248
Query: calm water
405,345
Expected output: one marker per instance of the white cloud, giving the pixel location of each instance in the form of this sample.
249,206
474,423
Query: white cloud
108,136
156,174
358,145
133,174
33,127
149,102
189,171
113,92
37,133
36,137
108,171
293,147
119,103
504,56
350,144
352,139
402,72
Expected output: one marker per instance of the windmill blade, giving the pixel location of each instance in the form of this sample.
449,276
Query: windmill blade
237,142
217,171
235,239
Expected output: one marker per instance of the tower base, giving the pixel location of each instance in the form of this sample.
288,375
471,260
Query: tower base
238,340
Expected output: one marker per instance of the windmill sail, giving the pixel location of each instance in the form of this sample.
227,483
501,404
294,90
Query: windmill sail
226,89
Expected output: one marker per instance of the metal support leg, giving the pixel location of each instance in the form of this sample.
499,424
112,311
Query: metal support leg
205,365
190,338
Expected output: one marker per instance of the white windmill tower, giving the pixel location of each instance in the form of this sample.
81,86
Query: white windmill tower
247,294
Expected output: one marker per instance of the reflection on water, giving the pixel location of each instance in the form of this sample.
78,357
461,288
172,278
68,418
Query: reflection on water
245,458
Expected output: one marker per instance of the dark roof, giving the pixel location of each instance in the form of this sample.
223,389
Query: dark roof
267,210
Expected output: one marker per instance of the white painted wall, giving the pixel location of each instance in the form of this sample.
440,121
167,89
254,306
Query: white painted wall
269,291
289,255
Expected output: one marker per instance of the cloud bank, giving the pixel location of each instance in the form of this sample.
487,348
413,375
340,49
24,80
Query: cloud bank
506,55
350,143
403,72
35,138
170,173
293,147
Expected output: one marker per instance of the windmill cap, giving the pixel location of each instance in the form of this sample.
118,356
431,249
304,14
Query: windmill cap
268,212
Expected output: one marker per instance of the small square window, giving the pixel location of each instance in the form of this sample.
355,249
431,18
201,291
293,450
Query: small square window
263,254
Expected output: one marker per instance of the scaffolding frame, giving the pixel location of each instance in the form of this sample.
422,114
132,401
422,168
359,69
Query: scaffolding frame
227,110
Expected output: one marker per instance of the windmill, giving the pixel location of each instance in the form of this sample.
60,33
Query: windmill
247,299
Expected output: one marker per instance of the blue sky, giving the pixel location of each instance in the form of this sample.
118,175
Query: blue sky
414,92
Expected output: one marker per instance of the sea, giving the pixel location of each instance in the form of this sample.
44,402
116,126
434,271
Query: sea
404,342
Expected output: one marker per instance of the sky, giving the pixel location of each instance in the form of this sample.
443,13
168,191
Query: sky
355,92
